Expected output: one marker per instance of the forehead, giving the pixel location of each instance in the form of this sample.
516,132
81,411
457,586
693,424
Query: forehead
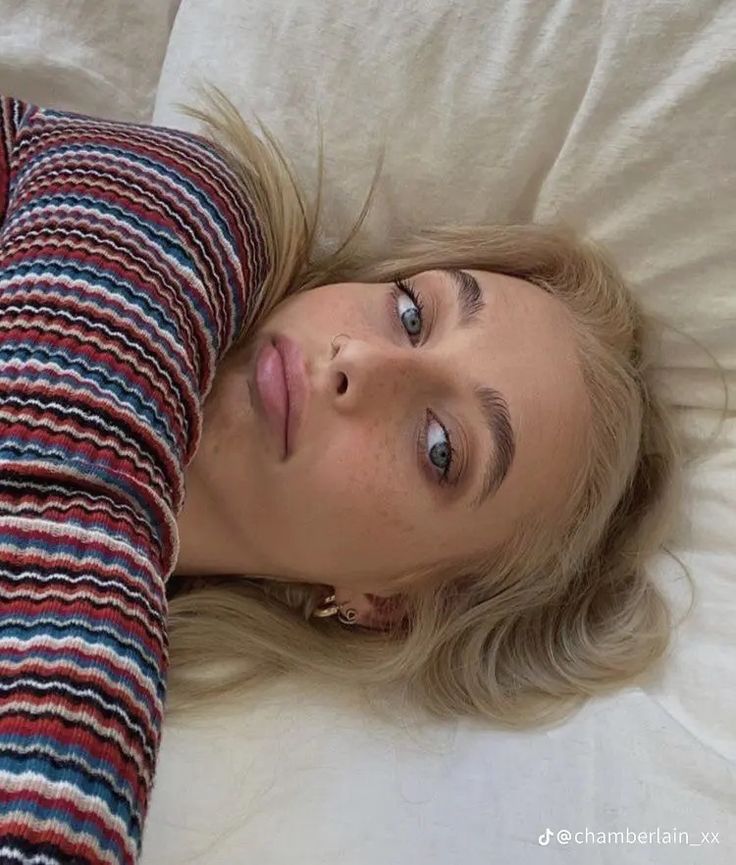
522,315
519,321
525,347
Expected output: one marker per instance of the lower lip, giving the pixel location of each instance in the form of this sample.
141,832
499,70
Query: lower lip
271,384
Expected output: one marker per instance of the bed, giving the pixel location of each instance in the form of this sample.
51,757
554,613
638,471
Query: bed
619,119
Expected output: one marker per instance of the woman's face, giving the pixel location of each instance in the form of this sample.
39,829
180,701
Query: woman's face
367,492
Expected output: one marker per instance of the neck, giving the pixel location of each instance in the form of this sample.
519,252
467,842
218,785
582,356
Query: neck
207,544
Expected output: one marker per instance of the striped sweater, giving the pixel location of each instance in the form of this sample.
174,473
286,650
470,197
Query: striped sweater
128,254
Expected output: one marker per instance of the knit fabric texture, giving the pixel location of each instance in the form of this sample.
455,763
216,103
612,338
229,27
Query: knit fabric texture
129,257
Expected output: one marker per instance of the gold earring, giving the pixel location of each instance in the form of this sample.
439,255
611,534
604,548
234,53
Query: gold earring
329,607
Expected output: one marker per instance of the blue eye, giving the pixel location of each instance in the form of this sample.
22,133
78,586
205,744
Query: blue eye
441,452
411,318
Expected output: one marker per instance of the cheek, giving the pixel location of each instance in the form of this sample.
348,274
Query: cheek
318,315
360,473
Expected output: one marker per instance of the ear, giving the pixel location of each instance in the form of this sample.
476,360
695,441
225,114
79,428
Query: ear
374,611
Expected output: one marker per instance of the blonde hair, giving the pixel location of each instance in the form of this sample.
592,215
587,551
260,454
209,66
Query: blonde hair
521,636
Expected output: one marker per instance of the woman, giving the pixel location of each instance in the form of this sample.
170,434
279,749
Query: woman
144,272
478,474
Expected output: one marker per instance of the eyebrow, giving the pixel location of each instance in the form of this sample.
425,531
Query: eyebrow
491,402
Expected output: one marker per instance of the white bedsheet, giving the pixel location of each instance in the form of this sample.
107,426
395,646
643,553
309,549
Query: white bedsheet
621,119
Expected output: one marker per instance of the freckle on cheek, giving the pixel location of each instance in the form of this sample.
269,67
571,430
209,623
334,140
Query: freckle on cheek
369,477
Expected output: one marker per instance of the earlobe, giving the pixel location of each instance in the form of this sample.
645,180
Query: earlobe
371,611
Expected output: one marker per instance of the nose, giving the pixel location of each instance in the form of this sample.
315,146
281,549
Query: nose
363,373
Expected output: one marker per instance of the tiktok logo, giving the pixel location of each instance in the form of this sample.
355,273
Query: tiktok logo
545,837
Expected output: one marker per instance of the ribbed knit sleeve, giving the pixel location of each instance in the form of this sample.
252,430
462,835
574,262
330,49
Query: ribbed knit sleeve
128,260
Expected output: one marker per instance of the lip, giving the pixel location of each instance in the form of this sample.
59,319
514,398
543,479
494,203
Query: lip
297,386
280,380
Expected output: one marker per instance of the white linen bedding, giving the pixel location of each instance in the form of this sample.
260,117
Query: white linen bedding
98,57
621,119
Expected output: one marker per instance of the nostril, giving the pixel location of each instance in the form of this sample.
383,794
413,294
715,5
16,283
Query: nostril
343,383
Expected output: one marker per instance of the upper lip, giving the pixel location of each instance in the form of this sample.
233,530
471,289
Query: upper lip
297,385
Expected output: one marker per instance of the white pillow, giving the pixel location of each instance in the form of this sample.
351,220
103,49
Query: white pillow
95,58
620,120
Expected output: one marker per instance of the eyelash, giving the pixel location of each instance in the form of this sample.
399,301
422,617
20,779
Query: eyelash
405,287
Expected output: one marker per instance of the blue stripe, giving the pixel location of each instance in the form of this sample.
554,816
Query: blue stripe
107,381
23,801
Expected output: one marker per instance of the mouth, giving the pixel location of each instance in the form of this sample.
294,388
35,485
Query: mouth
297,387
281,384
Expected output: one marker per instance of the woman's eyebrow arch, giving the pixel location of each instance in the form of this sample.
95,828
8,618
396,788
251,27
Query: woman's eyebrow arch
491,404
495,412
470,298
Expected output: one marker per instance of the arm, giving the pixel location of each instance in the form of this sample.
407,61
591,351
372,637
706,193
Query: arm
11,111
128,256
